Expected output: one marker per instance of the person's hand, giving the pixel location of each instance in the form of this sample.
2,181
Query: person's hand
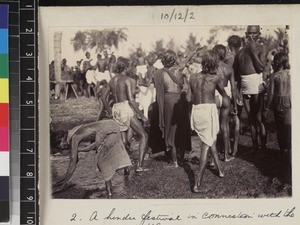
145,121
252,44
234,111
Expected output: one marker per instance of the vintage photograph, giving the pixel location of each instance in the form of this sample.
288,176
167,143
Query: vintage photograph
170,112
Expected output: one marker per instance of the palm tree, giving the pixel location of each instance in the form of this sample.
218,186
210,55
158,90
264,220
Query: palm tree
57,55
99,39
57,61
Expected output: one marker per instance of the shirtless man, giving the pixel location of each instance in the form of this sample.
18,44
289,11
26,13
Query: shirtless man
169,83
86,66
251,61
204,116
226,74
279,96
125,110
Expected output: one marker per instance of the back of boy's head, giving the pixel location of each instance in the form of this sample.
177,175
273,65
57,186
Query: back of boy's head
234,41
210,62
281,59
221,51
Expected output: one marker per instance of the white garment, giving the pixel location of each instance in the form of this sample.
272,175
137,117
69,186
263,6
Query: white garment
90,77
252,84
205,121
99,76
158,64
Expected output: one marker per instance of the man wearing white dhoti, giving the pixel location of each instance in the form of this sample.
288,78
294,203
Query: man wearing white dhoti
204,116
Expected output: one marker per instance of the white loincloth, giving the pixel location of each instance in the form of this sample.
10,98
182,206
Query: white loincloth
252,84
122,113
146,97
99,76
90,77
158,64
205,121
228,92
141,70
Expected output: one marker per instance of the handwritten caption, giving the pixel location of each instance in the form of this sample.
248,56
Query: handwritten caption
151,218
178,15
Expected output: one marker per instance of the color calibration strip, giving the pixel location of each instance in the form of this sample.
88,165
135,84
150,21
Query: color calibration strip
4,116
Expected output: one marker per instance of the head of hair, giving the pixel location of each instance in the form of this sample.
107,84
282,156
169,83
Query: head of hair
168,58
210,62
99,55
151,58
234,41
121,64
112,59
281,60
221,51
256,27
87,53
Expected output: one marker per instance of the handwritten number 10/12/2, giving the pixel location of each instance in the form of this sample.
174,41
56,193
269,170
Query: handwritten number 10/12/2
187,15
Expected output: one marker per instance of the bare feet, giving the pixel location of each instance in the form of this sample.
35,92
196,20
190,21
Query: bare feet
175,164
140,169
126,171
197,189
221,174
228,159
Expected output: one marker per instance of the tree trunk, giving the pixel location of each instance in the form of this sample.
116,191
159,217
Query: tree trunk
57,61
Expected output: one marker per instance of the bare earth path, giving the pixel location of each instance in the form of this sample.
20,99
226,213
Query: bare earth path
262,175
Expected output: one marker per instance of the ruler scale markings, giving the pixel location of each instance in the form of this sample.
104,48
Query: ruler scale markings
28,51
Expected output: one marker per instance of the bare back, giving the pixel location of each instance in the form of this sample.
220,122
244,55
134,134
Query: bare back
282,85
124,89
113,86
169,85
225,71
203,87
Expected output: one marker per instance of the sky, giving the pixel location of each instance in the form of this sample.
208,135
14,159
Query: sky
146,38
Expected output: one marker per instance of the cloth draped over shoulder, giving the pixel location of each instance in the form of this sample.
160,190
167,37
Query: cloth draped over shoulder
160,93
111,153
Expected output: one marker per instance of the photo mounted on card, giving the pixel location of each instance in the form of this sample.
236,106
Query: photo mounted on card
167,115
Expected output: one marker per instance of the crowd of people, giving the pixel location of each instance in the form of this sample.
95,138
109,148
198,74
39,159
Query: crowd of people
166,97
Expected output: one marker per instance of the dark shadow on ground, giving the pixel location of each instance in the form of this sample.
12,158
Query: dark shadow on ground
190,173
270,163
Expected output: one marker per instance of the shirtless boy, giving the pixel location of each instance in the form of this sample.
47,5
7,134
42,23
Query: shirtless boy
280,95
125,110
204,116
251,61
226,74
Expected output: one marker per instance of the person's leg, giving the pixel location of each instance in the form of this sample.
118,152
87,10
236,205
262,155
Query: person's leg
224,114
136,125
253,121
172,144
261,127
89,90
202,166
214,153
101,106
236,134
124,138
108,188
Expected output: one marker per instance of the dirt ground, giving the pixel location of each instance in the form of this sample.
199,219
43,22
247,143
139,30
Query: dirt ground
263,175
